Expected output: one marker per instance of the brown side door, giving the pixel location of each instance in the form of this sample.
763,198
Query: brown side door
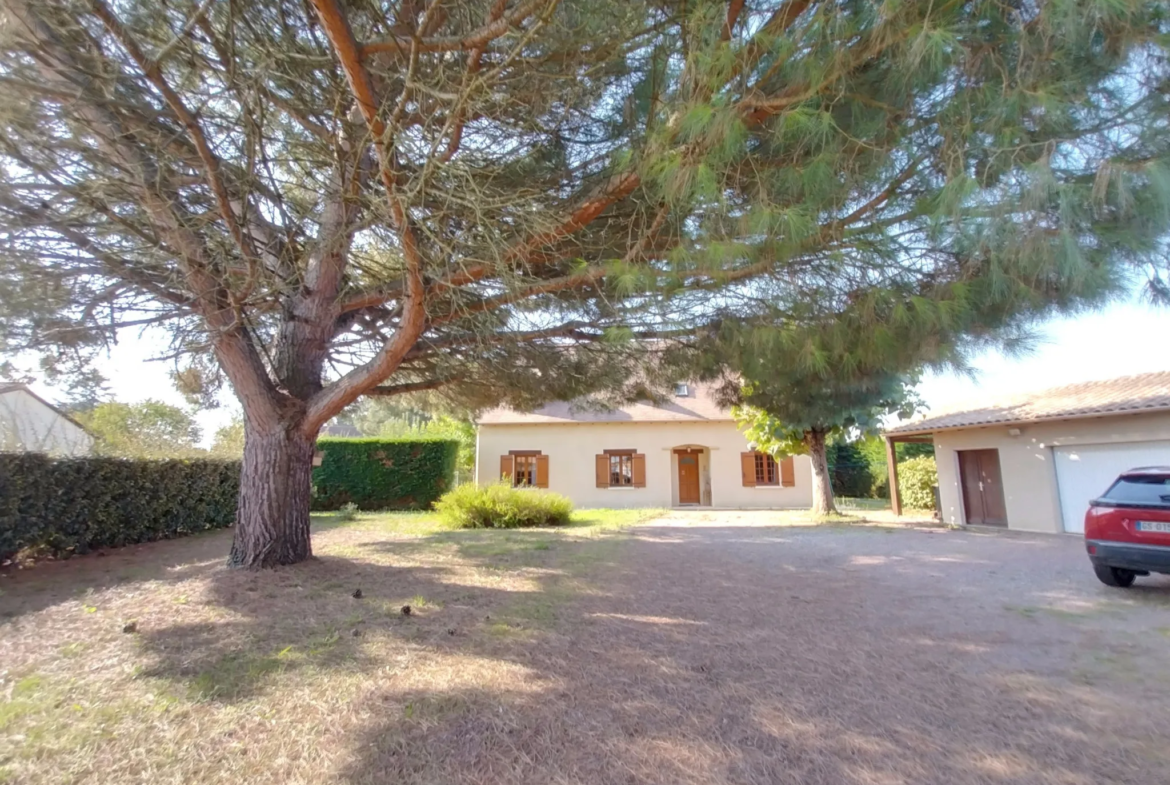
688,478
982,487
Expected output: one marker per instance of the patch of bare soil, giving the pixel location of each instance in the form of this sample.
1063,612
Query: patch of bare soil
698,654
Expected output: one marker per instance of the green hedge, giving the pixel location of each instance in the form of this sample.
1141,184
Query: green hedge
383,474
849,472
74,505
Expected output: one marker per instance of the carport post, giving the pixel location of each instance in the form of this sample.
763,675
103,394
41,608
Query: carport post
892,466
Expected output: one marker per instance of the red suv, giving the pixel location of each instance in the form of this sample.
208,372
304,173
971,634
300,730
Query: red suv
1127,530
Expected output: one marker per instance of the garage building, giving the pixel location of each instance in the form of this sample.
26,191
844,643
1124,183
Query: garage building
1034,462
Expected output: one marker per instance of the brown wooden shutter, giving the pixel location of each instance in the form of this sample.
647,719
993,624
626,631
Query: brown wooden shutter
639,471
747,462
506,467
602,471
788,472
542,471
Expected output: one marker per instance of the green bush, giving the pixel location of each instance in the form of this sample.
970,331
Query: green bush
500,506
916,480
873,451
383,474
74,505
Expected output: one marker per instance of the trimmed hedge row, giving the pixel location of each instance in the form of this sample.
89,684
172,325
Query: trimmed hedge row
383,474
75,505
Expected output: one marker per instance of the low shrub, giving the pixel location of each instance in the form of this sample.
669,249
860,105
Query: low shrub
500,506
873,452
383,474
74,505
916,480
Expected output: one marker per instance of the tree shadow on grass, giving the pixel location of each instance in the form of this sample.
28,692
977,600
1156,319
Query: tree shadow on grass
686,662
48,583
704,655
466,592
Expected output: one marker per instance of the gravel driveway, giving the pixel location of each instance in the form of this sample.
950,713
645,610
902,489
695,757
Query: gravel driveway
725,651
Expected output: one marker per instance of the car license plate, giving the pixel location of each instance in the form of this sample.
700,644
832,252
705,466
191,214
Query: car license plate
1153,526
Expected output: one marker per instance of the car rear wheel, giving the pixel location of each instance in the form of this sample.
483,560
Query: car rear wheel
1115,576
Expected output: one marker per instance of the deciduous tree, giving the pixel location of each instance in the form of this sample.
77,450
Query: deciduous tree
322,200
229,440
799,414
149,429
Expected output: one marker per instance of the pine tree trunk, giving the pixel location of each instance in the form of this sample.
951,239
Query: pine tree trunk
272,518
822,484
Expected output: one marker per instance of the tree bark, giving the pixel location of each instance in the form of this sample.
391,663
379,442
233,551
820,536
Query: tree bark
822,484
272,519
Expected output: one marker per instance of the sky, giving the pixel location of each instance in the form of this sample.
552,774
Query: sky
1122,339
132,376
1125,338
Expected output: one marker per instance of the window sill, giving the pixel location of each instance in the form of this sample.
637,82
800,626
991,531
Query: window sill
773,487
621,488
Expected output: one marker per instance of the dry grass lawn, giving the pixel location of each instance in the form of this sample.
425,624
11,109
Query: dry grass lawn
278,677
700,649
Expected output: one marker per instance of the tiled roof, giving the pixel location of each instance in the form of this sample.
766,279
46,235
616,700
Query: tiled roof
698,406
1147,392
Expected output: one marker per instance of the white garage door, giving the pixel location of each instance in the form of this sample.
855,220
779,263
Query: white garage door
1083,473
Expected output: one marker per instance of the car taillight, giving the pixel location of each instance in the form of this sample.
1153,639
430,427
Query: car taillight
1092,549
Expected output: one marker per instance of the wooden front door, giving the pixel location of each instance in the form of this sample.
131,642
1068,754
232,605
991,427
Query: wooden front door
982,487
688,477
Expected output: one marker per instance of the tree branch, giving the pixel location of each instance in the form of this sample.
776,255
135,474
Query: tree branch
328,402
615,189
410,387
115,264
210,162
734,8
779,22
756,109
428,348
474,59
185,30
474,40
234,347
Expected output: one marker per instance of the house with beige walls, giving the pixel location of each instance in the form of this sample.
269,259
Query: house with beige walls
682,452
29,423
1034,462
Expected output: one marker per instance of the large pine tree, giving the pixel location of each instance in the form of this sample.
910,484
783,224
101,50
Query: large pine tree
328,199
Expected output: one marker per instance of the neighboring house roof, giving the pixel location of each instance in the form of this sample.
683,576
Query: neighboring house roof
1148,392
697,406
7,387
342,429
